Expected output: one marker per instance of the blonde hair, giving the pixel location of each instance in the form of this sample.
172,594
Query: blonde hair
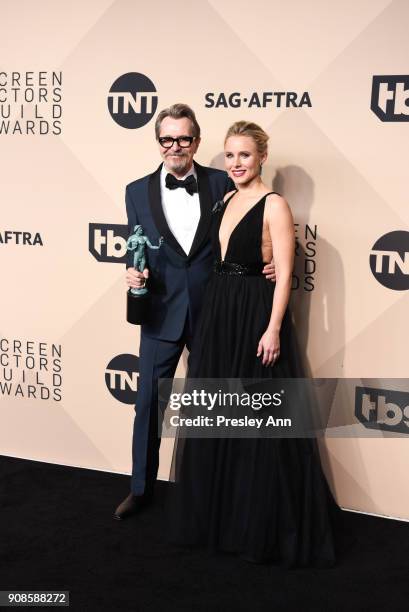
247,128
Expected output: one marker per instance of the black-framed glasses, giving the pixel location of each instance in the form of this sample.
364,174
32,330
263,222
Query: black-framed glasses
183,141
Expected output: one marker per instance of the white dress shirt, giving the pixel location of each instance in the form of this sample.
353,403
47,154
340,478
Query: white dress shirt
182,210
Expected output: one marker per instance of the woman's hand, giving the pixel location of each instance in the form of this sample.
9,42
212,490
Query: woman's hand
269,347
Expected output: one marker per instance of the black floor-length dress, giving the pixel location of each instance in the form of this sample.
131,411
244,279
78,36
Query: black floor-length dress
265,499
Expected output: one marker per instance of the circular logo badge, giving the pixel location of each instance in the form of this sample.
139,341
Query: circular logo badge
389,260
132,100
121,378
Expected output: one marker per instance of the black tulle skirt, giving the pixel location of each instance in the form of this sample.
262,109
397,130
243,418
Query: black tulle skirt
265,499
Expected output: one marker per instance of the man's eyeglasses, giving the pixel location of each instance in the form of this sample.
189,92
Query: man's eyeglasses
183,141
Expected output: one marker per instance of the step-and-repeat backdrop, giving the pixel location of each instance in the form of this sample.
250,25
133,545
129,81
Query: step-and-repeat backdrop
80,86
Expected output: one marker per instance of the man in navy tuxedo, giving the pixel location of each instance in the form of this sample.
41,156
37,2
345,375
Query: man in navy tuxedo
174,202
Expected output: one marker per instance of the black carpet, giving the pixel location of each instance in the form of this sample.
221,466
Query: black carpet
57,533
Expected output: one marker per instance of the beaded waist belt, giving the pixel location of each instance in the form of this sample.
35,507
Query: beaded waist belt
227,267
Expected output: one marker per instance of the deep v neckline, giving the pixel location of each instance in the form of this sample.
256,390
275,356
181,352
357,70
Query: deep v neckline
237,224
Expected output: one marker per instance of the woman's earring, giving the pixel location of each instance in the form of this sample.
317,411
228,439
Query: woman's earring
261,168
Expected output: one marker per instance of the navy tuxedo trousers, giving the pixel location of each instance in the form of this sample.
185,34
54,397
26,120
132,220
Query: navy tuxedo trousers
158,359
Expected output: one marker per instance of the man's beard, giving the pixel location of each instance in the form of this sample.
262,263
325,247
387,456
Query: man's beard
177,164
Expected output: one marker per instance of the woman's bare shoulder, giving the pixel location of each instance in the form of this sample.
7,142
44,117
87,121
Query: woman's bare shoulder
230,193
276,201
277,208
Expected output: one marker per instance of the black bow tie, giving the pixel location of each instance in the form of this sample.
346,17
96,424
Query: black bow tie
189,183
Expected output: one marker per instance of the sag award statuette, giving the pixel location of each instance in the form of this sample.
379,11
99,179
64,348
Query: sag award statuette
138,299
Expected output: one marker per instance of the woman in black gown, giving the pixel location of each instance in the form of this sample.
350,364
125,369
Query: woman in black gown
265,499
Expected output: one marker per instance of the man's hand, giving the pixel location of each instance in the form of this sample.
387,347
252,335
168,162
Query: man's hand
136,279
269,271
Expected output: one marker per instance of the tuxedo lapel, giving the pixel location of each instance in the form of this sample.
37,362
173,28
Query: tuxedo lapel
155,202
205,197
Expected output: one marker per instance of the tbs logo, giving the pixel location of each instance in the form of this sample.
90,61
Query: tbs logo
382,409
107,242
389,260
121,377
390,97
132,100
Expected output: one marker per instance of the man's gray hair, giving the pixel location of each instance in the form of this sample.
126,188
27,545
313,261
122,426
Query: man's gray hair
178,111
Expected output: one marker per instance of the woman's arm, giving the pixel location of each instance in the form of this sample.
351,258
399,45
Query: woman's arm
281,227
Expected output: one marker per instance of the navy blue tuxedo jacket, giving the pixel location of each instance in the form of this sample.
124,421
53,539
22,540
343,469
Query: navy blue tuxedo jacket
177,280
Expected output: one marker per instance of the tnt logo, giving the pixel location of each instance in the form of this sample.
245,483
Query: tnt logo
389,260
107,242
132,100
382,409
121,377
390,97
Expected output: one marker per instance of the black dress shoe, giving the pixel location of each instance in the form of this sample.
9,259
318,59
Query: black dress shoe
131,505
